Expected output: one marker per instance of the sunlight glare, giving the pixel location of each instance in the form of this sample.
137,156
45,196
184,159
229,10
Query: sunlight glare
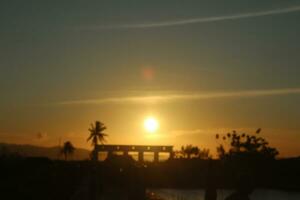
151,124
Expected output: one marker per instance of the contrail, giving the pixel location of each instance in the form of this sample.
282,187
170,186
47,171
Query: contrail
184,97
202,20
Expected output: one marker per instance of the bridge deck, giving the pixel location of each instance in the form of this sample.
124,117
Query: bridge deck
135,148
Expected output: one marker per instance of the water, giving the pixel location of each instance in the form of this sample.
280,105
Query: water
261,194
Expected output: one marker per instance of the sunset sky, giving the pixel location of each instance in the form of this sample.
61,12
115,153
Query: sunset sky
198,67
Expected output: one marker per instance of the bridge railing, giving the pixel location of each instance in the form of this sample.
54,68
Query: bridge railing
156,149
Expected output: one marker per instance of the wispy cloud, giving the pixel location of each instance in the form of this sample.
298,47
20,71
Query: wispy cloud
177,133
210,131
185,96
201,19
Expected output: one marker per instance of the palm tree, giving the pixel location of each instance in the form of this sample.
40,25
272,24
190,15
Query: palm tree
68,149
97,135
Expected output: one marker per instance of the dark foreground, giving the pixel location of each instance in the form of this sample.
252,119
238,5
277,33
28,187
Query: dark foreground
123,178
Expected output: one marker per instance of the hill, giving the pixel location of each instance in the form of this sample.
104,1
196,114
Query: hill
38,151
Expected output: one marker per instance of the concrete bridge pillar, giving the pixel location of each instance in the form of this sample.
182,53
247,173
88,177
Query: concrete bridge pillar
141,156
156,156
109,154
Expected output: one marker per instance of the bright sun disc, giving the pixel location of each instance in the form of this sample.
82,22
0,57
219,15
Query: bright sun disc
151,124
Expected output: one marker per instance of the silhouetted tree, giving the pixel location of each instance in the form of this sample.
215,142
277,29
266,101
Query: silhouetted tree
68,149
245,145
204,154
221,151
246,155
96,136
96,133
189,150
177,154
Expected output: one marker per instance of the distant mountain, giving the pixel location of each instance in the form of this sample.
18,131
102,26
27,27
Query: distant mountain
37,151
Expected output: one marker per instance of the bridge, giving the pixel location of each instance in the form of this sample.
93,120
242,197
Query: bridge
140,149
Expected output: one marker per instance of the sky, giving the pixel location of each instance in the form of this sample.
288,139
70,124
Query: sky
198,67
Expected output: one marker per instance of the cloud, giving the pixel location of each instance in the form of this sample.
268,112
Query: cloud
184,97
177,133
206,131
201,20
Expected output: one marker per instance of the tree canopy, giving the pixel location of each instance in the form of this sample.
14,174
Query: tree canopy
68,149
245,145
96,133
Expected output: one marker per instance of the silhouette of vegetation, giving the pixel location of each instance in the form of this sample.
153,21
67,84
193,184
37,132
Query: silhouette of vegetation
190,151
245,145
204,154
246,155
67,149
96,133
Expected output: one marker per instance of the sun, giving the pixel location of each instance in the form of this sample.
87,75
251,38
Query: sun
151,124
